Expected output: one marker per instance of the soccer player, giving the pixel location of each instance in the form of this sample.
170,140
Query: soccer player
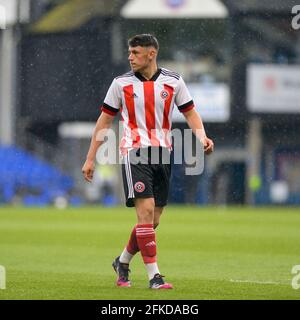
145,96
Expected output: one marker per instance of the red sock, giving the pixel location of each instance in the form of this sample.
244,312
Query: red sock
145,236
132,246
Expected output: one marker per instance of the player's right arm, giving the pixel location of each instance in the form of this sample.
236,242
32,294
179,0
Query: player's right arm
110,108
104,122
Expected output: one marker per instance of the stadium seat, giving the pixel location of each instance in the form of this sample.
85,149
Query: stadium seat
36,181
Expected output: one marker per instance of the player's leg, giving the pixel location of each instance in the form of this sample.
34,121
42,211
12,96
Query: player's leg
142,236
145,234
121,263
160,191
146,239
132,246
137,184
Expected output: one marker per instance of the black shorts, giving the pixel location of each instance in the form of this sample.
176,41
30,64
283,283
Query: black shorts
146,174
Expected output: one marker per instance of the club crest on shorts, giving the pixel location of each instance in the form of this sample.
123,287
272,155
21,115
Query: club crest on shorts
139,186
164,94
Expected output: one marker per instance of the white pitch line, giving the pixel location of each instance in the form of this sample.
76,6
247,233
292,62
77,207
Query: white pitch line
258,282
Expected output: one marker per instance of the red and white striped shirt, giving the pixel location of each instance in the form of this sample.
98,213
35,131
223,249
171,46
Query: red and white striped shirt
146,107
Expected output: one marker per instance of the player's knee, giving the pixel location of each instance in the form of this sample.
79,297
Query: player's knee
146,214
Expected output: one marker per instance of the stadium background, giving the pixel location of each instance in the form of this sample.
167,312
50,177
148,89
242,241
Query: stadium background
241,60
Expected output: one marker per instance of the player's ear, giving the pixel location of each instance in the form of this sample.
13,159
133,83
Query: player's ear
152,53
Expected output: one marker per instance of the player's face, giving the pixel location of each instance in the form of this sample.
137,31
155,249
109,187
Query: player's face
140,57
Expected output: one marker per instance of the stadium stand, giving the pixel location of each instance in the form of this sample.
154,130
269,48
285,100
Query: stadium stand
31,180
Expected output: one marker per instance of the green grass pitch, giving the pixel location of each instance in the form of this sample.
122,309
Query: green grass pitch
207,253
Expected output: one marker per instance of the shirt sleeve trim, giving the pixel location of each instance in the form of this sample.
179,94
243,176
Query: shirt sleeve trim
186,107
109,110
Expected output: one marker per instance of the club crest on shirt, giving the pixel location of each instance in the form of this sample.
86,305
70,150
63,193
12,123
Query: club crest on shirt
139,186
164,94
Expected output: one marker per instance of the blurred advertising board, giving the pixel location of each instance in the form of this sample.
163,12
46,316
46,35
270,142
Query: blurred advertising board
273,88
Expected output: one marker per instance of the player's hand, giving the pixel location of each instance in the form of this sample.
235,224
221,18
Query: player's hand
88,170
208,146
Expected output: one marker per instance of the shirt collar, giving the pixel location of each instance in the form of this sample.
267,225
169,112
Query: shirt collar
154,77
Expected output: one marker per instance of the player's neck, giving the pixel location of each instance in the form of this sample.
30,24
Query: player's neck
149,72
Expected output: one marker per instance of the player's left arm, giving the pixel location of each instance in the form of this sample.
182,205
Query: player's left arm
195,123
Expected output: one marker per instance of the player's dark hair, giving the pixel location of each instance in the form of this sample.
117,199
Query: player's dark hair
143,40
